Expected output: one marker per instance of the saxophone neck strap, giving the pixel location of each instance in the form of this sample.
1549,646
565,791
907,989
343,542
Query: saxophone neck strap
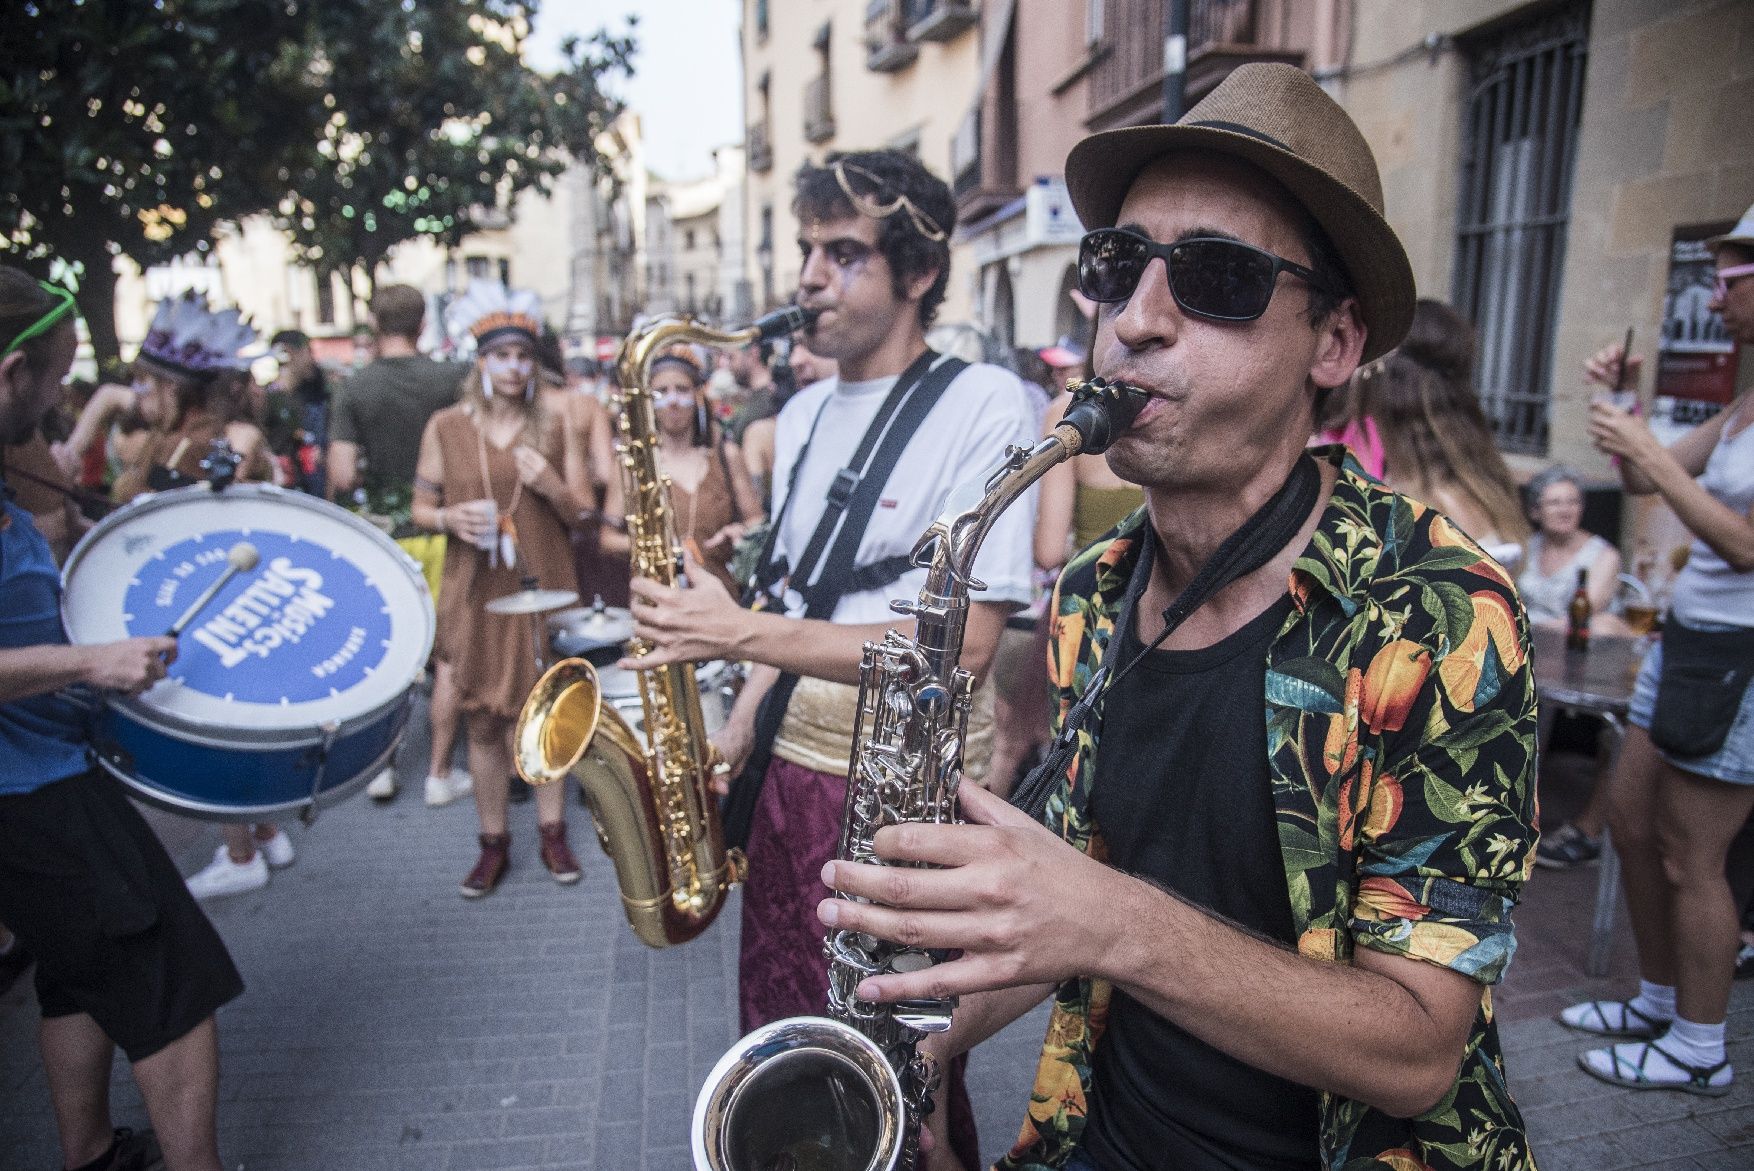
818,572
1260,539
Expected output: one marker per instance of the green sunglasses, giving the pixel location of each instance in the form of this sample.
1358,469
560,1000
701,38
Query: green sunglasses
63,307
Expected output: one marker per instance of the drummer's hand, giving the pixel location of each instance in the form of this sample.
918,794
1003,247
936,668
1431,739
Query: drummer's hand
532,464
735,741
1604,366
700,622
129,666
471,521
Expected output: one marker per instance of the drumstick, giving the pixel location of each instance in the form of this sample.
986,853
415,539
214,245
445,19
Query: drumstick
243,556
177,455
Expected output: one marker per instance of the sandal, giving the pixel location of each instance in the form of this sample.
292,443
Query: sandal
1699,1078
1599,1017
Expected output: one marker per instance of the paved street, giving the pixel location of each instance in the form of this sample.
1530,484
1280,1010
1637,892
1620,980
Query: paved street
390,1024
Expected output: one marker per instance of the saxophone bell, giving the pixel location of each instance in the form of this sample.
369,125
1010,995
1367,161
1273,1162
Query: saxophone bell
807,1092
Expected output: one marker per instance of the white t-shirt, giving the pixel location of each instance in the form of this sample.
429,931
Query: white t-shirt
982,413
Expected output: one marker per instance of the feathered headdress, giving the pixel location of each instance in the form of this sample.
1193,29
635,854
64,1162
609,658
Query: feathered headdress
190,338
487,310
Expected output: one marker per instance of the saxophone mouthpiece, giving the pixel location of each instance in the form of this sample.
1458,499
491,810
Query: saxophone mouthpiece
784,320
1101,410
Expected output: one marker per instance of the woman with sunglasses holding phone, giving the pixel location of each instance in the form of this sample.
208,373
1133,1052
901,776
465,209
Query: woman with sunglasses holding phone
1684,783
711,495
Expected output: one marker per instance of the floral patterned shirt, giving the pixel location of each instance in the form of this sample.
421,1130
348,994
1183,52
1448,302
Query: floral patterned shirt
1400,726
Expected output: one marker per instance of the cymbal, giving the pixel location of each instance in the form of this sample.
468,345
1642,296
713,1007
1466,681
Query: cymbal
596,626
532,602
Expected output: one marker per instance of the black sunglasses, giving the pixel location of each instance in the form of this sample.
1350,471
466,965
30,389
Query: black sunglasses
1209,276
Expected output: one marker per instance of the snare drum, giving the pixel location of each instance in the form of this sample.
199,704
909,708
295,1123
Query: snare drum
291,687
718,683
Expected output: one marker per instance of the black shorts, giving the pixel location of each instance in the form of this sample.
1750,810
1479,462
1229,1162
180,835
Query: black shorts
89,889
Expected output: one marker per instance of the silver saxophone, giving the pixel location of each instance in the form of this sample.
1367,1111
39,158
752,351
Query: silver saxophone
848,1091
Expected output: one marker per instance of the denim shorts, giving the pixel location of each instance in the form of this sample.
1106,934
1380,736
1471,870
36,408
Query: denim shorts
1732,763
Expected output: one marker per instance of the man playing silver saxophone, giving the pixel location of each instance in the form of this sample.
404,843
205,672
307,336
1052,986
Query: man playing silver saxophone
874,237
1279,857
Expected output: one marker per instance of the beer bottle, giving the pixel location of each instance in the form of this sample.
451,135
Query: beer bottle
1577,616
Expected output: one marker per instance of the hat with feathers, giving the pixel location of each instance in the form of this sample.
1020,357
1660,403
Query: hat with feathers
191,339
488,310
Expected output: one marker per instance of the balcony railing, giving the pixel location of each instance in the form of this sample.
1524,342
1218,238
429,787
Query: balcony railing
760,145
1126,84
939,20
887,48
818,110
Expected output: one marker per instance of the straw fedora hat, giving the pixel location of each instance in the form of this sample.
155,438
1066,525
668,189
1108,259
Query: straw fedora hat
1276,117
1742,235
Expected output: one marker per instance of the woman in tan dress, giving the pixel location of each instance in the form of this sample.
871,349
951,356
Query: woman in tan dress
505,480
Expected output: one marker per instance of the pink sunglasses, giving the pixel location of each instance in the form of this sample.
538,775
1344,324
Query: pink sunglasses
1726,275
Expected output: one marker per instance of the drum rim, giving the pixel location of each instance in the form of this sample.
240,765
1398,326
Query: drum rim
204,734
207,811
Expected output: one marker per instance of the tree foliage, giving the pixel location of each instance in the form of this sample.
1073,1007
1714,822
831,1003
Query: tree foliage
428,119
133,127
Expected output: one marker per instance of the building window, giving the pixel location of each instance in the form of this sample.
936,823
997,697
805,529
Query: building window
688,240
761,19
1093,13
1519,140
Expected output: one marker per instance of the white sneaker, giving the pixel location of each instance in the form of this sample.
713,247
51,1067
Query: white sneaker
225,877
277,849
444,790
383,786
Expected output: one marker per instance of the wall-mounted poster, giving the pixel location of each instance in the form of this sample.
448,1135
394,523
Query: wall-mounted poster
1696,358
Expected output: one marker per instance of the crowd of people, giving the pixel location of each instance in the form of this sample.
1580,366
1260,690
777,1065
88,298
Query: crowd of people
1259,679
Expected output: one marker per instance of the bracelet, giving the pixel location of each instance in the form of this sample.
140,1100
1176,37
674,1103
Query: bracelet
441,520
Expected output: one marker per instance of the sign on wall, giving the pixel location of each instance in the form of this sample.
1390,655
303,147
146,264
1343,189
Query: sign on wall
1696,357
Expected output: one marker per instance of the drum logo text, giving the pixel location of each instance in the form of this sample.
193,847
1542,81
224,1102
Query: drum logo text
278,607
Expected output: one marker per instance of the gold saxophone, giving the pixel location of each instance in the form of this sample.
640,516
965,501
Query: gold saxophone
848,1091
656,817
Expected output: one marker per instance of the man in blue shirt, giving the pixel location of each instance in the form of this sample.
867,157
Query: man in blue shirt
124,956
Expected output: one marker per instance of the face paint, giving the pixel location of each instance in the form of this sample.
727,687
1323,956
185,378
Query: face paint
497,363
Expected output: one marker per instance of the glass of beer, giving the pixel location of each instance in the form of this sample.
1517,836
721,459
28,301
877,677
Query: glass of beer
1640,615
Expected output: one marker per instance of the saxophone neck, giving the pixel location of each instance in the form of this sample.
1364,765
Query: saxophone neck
649,340
950,546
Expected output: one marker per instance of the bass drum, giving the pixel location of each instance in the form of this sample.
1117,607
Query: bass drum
291,687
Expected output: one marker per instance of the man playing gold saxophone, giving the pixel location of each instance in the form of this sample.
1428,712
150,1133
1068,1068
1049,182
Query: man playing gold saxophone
874,238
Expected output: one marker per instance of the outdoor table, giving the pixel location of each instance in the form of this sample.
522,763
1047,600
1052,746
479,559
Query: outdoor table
1597,682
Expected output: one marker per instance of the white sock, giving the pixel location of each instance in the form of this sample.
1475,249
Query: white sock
1656,1001
1696,1044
